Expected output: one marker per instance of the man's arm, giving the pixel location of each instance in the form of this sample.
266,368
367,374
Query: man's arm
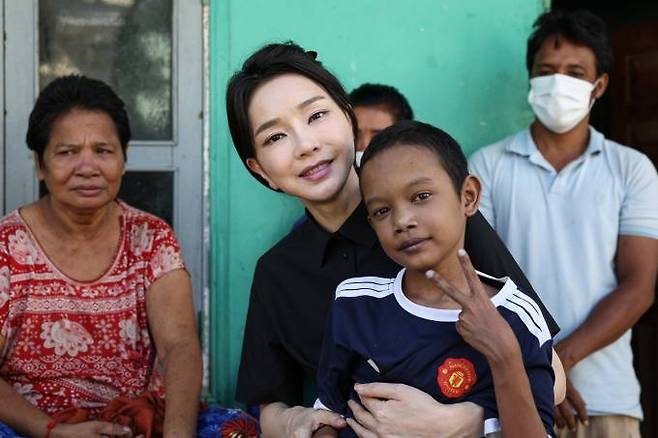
637,265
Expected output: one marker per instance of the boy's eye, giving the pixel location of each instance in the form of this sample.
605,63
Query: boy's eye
422,196
379,212
273,138
318,115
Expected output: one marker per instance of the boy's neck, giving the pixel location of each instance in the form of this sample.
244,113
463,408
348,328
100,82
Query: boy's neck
422,291
419,289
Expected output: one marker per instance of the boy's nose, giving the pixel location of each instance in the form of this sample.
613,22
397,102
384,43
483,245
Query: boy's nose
404,221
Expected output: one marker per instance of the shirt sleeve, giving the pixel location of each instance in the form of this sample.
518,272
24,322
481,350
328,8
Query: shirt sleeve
5,296
165,254
334,381
489,254
639,210
537,353
267,372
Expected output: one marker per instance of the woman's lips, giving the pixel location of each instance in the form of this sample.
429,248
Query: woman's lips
317,171
88,191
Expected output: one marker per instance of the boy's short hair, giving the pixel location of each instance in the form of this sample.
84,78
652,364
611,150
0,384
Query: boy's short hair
580,27
414,133
382,95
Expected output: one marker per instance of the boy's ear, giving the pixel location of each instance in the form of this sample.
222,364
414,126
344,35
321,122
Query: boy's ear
471,190
255,167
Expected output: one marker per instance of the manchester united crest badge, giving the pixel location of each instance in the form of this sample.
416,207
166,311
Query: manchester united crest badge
456,377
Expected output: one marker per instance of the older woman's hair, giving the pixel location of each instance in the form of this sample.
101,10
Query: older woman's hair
74,92
266,63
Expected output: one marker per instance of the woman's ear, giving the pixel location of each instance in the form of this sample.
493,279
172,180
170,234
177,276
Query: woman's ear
471,190
254,166
37,166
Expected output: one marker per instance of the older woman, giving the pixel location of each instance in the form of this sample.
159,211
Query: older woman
95,301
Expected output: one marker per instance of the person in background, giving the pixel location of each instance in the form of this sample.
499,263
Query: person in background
377,107
580,214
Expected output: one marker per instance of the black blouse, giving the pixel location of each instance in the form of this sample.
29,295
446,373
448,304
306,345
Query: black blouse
294,285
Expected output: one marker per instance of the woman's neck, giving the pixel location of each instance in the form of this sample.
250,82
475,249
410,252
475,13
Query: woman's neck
332,214
77,225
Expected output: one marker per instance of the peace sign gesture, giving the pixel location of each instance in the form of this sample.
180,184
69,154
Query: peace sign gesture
479,324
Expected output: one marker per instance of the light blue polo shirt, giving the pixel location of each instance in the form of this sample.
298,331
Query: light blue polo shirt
562,228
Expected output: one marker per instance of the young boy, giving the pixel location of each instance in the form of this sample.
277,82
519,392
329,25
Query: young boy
438,326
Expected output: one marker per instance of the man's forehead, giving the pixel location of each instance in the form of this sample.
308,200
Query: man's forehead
557,48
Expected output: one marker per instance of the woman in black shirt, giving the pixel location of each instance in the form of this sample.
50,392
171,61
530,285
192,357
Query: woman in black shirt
293,127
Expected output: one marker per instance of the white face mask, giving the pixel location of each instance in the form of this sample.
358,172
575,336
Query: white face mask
357,158
560,102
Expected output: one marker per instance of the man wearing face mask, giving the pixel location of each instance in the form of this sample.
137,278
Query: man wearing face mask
579,213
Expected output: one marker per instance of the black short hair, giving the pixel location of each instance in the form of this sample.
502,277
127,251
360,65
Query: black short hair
580,27
266,63
67,93
413,133
383,95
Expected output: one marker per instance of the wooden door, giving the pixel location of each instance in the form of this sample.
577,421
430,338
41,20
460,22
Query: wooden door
634,121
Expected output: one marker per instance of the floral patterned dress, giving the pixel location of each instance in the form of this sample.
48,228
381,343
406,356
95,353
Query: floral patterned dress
81,344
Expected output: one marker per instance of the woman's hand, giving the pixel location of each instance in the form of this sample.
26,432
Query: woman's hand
572,404
303,422
393,410
480,324
90,429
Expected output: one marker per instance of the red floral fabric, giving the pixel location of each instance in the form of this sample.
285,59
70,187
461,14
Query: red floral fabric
81,344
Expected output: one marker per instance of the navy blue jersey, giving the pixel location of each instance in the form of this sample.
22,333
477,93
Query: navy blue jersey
376,334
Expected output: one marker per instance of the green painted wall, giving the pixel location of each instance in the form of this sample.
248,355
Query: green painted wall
460,63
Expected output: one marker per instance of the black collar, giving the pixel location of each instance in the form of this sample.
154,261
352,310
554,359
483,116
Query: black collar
356,229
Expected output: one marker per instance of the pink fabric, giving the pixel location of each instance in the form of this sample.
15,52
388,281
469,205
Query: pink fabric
81,344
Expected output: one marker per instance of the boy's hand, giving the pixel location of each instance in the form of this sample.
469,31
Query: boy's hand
480,324
573,403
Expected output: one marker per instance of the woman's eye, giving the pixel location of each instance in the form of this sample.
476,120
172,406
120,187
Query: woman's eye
273,138
318,115
422,196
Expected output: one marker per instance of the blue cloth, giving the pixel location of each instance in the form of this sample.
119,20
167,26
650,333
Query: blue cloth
376,334
563,228
215,422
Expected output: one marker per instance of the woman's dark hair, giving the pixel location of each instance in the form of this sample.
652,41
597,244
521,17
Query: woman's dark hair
410,133
266,63
579,27
385,96
74,92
